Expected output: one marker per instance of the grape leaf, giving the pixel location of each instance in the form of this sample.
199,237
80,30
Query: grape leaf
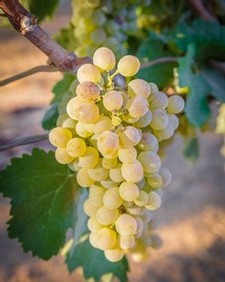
203,81
43,8
208,37
42,194
152,48
62,86
49,120
94,263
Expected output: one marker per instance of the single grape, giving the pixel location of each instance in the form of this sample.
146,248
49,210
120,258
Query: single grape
126,225
76,147
112,100
128,65
132,172
129,191
139,87
104,58
112,199
83,178
106,216
175,104
60,136
88,72
90,159
87,90
62,156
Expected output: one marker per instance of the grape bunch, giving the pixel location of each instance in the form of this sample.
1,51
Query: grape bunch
109,136
103,23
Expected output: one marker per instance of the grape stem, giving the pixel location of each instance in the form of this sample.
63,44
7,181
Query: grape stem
159,61
41,68
26,24
23,141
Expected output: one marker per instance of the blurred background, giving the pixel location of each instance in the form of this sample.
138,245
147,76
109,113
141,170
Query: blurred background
191,221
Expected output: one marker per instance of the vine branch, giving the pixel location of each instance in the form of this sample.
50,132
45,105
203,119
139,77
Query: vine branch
159,61
201,10
42,68
23,141
26,24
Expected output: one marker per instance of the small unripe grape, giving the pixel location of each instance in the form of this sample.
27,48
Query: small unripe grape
88,72
104,58
128,65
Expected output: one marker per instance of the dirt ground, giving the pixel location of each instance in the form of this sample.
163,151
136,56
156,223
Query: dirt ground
191,221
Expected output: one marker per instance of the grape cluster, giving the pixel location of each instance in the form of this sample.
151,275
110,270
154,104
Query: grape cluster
103,23
109,135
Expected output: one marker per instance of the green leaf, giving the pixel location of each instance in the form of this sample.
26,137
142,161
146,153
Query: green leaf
208,37
94,263
152,48
203,81
43,8
191,150
62,87
80,217
42,194
50,117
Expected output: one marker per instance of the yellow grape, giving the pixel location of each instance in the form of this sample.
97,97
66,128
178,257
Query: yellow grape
112,100
87,90
88,72
76,147
104,58
139,87
128,191
90,159
62,156
59,136
128,65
